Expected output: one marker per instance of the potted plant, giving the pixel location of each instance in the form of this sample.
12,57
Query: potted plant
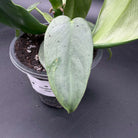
69,42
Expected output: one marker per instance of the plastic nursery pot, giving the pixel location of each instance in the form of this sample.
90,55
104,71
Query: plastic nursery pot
39,81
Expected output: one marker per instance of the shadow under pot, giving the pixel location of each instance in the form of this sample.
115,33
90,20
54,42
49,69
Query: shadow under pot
24,53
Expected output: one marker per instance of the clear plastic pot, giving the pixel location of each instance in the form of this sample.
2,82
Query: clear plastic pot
39,80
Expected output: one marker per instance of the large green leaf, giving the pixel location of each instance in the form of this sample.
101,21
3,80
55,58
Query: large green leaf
117,23
77,8
68,52
17,17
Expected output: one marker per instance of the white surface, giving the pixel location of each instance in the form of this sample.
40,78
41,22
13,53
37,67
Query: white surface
41,86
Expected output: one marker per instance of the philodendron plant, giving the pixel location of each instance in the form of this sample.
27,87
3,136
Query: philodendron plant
67,50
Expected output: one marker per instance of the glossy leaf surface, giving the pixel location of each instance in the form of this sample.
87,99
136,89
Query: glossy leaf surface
68,52
17,17
77,8
117,23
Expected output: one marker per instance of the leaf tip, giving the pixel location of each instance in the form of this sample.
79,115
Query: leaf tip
70,109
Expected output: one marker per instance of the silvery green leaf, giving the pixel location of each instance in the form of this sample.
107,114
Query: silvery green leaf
68,52
41,54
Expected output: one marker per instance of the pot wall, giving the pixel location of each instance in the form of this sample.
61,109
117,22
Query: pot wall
39,81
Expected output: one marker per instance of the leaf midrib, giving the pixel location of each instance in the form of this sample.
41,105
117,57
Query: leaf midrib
70,49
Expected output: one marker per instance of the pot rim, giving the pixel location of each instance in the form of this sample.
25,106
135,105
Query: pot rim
41,75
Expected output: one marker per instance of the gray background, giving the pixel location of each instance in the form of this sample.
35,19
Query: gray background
109,108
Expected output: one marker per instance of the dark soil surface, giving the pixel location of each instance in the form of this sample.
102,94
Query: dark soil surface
26,50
